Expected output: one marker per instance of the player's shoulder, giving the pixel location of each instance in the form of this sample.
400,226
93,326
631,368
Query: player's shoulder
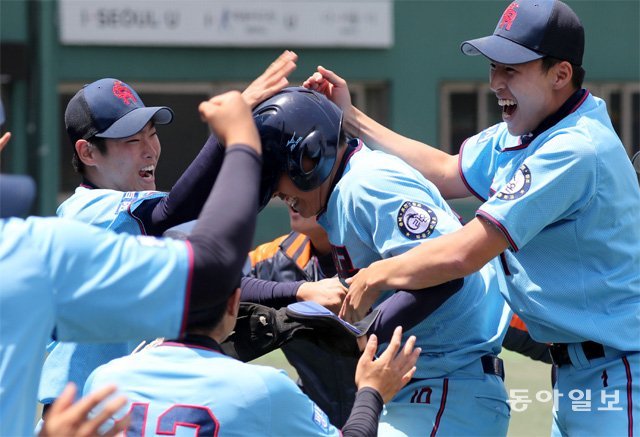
275,380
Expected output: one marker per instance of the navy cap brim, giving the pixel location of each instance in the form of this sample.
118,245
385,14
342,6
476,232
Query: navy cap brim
17,193
133,122
500,50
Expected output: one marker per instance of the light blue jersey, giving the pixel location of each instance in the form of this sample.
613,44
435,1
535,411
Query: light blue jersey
88,285
175,387
380,208
108,209
569,204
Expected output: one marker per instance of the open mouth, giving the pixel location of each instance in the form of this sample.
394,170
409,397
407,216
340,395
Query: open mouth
508,106
291,202
147,172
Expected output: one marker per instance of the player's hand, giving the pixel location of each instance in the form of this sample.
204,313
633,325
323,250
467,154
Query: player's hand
361,296
272,80
327,292
4,140
331,85
65,418
393,370
230,118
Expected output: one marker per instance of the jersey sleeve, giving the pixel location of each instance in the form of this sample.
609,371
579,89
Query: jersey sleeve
292,412
476,161
110,287
551,185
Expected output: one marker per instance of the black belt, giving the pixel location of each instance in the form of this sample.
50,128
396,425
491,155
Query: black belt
560,353
492,365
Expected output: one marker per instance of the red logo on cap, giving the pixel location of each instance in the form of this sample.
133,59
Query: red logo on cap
509,16
123,92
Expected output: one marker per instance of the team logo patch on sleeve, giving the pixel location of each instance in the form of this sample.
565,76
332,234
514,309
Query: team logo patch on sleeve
416,221
320,418
517,186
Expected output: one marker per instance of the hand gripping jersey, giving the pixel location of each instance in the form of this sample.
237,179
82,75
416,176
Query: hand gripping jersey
568,202
91,285
379,208
108,209
179,385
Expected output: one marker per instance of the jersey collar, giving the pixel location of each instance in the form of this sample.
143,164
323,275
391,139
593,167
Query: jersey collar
88,184
198,340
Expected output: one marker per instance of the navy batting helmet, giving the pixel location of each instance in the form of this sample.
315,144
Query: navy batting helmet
294,124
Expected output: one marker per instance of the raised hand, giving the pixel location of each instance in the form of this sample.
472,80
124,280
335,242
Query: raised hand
331,85
230,118
393,370
272,80
4,139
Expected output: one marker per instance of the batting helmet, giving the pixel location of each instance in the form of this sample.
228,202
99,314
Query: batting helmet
294,124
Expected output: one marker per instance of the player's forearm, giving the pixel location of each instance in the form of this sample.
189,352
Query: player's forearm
437,166
270,293
408,308
363,420
440,259
223,234
190,192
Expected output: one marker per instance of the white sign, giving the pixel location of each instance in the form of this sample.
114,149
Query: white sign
292,23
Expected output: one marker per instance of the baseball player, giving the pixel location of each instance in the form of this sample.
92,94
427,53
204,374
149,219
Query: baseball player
305,254
561,201
87,284
190,383
116,148
374,206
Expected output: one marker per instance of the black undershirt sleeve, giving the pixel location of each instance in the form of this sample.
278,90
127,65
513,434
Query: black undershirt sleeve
187,197
224,232
365,414
408,308
269,293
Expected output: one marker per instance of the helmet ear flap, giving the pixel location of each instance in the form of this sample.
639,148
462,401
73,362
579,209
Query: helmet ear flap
304,162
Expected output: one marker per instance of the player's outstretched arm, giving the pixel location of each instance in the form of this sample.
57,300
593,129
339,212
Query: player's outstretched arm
190,192
66,418
437,166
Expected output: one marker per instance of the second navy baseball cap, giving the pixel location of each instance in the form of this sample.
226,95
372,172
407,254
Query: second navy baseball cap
530,30
109,108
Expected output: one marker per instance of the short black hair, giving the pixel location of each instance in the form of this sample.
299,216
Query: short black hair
578,72
206,320
99,143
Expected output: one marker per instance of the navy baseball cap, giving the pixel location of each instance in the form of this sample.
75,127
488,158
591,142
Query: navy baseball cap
109,108
530,30
17,193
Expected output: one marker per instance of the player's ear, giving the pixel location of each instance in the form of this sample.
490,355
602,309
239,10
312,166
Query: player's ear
86,152
562,73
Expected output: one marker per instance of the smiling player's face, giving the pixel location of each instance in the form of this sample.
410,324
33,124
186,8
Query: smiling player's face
130,163
305,203
525,93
